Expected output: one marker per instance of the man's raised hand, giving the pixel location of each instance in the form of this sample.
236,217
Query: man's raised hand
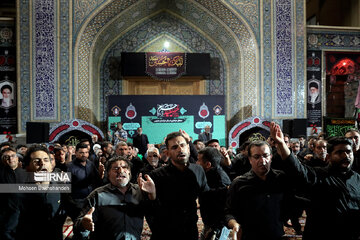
147,185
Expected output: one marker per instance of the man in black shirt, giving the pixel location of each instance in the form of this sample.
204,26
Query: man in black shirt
116,210
256,200
212,204
141,141
334,190
10,173
178,185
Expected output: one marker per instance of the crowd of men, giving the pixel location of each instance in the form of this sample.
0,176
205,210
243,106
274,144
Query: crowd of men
251,194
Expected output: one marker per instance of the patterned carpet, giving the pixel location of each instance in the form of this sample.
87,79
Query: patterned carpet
146,233
289,232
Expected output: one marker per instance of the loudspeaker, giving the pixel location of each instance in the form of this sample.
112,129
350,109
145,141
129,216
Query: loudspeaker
295,127
37,132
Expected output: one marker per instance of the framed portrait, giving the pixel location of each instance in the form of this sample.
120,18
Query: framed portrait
7,94
314,91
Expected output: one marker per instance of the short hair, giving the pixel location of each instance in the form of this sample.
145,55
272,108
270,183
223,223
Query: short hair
292,141
105,144
121,143
57,149
212,155
5,144
173,135
244,145
81,145
129,144
84,140
211,141
196,141
258,144
152,149
334,141
287,135
7,149
20,146
311,137
115,159
6,86
32,149
162,148
318,141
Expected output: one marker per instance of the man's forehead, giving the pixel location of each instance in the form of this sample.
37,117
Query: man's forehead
262,148
9,152
342,147
214,144
83,150
177,140
120,163
39,154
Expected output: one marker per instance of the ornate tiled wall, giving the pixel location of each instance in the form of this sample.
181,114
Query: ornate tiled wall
289,58
260,46
44,69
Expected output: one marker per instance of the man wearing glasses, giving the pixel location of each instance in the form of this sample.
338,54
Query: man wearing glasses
255,200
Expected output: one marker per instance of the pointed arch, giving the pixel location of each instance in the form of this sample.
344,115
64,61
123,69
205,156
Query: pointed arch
234,36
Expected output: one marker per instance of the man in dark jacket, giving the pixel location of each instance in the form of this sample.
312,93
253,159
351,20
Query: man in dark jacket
334,190
212,204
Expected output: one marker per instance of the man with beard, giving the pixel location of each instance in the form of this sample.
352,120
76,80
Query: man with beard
141,141
107,150
178,185
42,210
124,149
334,211
314,93
256,200
116,210
85,177
354,135
295,147
318,159
10,173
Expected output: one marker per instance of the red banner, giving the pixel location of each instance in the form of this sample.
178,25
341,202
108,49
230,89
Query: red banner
165,65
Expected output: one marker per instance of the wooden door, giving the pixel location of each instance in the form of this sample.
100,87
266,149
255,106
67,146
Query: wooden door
150,86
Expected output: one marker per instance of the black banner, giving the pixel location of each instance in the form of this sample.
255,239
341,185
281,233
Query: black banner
165,65
314,90
7,78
